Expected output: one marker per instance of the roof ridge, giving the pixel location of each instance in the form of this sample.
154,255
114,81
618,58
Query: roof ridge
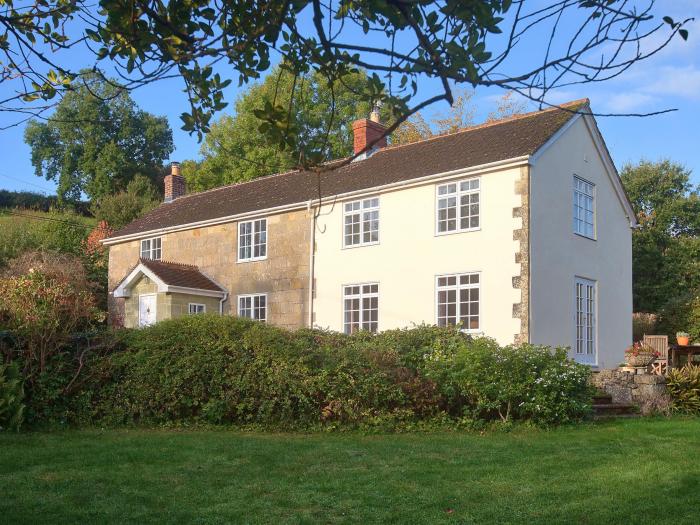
511,118
171,263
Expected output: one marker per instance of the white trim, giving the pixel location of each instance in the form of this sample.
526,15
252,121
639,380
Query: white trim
458,217
190,305
361,296
594,205
252,306
361,211
252,258
584,281
155,309
604,154
123,289
150,248
458,287
447,175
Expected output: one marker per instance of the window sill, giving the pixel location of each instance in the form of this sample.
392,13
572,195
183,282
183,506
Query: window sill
361,245
254,259
468,230
585,236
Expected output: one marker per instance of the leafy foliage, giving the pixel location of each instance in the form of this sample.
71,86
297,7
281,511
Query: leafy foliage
666,246
228,370
238,148
684,387
11,396
97,140
120,208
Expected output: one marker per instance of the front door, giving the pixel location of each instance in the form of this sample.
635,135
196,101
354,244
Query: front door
147,309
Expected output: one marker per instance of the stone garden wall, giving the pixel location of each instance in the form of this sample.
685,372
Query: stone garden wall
648,391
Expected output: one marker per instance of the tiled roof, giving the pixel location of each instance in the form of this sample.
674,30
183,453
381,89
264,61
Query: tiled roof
185,275
491,142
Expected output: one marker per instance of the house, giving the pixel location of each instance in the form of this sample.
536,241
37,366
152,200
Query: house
518,229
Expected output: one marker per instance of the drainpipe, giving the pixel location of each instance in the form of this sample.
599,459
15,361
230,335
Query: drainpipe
312,256
221,303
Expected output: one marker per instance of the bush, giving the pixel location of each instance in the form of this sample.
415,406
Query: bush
11,397
485,381
684,387
643,324
228,370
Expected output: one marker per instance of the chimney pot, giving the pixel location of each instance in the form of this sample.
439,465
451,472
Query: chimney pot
174,183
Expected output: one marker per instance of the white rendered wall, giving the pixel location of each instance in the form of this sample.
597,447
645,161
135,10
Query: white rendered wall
410,255
558,255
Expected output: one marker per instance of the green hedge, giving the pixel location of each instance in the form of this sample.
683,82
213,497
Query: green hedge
227,370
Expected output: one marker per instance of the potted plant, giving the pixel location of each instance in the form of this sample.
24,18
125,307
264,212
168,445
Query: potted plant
640,355
682,338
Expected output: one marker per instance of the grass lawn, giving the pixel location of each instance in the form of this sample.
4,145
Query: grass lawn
633,471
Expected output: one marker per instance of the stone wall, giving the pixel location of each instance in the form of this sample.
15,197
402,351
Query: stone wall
521,310
284,275
648,391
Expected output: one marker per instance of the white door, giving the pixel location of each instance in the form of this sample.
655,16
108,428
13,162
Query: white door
586,329
147,309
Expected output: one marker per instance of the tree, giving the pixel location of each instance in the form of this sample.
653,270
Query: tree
461,115
97,140
235,150
119,209
666,246
447,42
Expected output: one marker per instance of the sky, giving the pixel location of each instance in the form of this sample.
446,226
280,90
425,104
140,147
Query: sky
668,80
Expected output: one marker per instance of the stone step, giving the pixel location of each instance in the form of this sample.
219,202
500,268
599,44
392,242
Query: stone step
610,409
602,399
608,417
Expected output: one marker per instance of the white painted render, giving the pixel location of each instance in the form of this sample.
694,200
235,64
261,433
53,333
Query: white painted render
410,255
558,255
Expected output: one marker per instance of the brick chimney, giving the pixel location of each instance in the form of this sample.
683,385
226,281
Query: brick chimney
365,131
174,183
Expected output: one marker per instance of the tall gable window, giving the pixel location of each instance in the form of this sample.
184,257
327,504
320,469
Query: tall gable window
151,249
361,307
458,300
253,306
361,222
584,208
252,240
458,206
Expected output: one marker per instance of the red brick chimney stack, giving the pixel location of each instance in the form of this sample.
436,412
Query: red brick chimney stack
174,183
366,131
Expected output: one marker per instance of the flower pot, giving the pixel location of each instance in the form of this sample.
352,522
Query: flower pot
683,341
640,360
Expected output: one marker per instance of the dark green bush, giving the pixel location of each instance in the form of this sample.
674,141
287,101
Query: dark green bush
684,387
227,370
11,397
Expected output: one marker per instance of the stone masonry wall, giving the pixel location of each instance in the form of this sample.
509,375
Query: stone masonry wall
284,275
521,310
648,391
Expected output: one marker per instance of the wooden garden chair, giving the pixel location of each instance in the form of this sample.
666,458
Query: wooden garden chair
660,344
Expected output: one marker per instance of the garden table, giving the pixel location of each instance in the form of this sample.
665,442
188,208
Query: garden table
678,351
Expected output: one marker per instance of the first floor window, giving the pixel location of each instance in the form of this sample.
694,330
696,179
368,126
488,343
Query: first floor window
458,206
252,240
197,308
585,344
458,300
361,222
361,307
253,306
151,249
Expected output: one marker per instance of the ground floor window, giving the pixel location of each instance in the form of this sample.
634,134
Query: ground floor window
585,320
197,308
360,307
253,306
457,300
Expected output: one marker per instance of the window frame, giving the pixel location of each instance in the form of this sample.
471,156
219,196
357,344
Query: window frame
361,296
151,249
361,211
576,221
252,297
253,232
590,329
458,287
196,305
458,195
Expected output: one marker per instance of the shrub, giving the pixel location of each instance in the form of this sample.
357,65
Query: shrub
643,324
684,387
11,397
527,382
